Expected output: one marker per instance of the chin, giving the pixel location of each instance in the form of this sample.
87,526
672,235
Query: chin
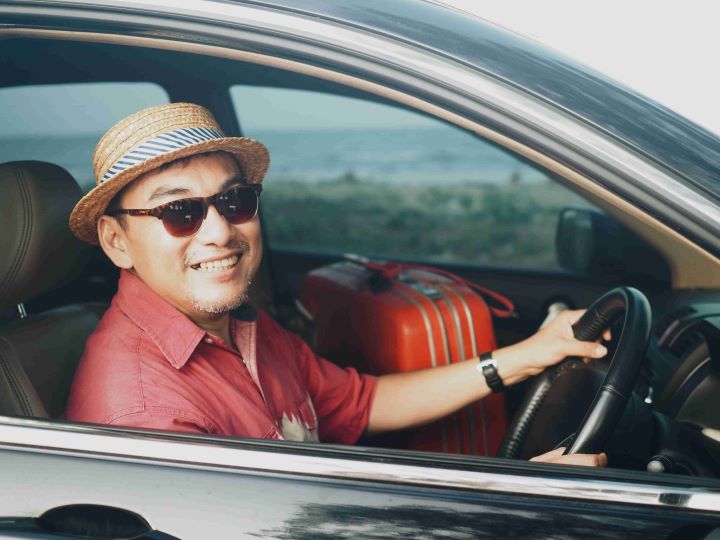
218,306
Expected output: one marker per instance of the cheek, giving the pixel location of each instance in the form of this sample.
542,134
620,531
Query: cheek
254,238
251,232
155,253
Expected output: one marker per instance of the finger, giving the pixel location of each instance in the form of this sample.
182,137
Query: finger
606,337
583,460
586,349
549,455
573,315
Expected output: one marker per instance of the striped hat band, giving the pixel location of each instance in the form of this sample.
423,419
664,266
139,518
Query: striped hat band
161,144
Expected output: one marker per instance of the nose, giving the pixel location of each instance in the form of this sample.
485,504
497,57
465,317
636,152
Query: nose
215,230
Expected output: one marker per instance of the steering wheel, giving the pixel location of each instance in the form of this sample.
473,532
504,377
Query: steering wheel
607,408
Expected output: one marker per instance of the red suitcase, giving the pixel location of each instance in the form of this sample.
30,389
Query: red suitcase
385,318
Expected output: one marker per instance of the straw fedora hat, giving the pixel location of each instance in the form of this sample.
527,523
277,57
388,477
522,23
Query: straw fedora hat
148,139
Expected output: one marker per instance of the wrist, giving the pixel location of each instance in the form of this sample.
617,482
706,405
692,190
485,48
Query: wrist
510,366
487,365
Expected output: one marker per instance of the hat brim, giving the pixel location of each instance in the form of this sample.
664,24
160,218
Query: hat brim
252,156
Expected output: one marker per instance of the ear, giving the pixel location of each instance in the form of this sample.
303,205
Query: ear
114,242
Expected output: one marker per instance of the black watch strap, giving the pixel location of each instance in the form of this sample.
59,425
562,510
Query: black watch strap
488,367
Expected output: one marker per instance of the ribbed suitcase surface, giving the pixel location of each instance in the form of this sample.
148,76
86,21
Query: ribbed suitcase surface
416,320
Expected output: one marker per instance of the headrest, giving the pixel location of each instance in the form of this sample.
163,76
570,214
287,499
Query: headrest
37,251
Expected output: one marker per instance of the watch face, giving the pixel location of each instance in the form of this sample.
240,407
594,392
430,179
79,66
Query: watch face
488,363
489,370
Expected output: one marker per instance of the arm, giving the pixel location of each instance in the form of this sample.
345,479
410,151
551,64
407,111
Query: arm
404,400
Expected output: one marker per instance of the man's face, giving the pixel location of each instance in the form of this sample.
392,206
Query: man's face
172,266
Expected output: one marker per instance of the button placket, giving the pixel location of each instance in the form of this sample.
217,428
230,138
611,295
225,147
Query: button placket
245,335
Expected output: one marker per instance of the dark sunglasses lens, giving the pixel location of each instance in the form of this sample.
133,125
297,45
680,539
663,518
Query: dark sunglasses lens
183,217
237,205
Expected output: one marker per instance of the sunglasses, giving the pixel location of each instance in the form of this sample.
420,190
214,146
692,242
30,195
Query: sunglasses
184,217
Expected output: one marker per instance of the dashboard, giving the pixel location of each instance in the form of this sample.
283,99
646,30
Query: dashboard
681,382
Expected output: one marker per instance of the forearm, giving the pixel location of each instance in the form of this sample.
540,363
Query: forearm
404,400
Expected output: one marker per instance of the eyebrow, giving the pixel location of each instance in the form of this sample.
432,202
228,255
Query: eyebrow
164,191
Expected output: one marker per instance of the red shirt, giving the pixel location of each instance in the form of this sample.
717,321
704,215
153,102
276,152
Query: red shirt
148,365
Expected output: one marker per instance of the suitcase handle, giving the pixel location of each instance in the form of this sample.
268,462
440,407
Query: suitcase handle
392,270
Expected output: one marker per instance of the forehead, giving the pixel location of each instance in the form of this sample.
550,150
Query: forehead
193,176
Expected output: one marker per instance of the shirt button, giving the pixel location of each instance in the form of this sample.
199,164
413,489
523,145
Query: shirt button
209,341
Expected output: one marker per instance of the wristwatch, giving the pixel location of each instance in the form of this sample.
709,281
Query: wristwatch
488,367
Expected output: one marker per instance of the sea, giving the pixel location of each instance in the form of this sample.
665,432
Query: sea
421,156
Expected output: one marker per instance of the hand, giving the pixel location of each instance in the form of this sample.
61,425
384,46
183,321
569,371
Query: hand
585,460
548,346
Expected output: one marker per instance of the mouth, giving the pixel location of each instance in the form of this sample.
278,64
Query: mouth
217,265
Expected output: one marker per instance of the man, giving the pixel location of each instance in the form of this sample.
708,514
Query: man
175,208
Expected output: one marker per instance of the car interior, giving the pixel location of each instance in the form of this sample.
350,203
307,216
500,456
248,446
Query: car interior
54,289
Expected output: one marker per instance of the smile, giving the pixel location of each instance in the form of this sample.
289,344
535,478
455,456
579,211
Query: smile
218,265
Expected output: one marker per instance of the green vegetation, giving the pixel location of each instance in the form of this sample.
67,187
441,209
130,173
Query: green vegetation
510,224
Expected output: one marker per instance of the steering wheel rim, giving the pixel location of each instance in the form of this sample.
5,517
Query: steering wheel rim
611,398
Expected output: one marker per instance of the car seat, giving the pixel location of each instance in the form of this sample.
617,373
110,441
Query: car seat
38,254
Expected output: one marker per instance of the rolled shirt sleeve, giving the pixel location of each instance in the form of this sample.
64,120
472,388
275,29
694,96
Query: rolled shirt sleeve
342,397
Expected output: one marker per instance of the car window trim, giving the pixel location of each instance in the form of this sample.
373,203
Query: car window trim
238,456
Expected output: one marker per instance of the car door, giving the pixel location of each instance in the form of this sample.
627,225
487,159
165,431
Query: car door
100,482
203,487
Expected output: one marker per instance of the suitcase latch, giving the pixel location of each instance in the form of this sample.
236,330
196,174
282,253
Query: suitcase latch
426,289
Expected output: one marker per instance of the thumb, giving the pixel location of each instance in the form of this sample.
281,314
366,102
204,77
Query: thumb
586,349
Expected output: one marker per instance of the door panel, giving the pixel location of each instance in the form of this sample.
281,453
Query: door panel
189,503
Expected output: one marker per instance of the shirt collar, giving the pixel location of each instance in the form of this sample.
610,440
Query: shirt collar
172,332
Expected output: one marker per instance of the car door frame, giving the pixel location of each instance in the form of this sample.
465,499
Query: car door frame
608,491
158,474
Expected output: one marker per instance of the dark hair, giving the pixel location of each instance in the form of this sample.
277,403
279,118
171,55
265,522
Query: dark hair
114,204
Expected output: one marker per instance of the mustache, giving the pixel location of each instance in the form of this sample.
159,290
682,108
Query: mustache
232,247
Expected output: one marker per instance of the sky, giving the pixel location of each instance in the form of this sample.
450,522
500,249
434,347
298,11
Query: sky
664,50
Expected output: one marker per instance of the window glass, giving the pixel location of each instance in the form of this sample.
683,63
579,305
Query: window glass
62,123
349,175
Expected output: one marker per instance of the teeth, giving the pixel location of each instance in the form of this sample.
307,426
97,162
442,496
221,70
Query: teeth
214,266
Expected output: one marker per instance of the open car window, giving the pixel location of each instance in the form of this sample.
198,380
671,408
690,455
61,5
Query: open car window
350,175
62,123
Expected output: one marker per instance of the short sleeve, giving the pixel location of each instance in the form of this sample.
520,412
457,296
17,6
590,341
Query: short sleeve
342,397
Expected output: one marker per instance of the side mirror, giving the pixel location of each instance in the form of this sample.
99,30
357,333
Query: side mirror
592,244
